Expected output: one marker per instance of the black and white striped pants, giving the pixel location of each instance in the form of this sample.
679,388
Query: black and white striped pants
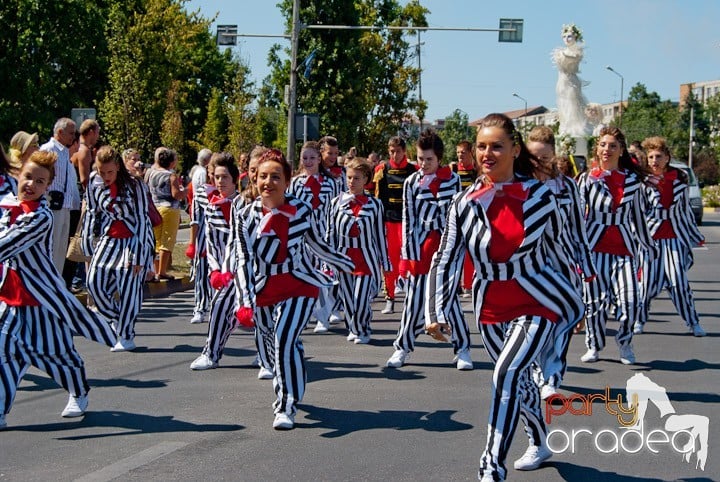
31,335
203,290
222,322
616,284
280,327
513,347
668,270
357,294
114,286
412,321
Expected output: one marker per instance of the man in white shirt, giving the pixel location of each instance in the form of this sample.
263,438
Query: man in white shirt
65,182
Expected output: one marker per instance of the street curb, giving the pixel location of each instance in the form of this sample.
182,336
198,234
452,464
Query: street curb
156,290
711,210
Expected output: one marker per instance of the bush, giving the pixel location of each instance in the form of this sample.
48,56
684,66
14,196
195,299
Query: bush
706,168
711,196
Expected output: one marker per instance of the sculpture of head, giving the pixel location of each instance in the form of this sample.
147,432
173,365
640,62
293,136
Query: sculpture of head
571,34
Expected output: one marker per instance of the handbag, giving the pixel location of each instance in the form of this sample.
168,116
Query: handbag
153,213
74,251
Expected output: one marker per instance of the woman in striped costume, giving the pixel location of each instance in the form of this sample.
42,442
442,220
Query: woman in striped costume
117,220
38,315
197,248
277,242
355,226
217,230
614,197
673,227
508,222
427,196
317,187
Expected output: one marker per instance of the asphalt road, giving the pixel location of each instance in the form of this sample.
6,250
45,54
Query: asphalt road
152,418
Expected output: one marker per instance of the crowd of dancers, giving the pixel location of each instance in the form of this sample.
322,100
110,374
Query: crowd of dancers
273,250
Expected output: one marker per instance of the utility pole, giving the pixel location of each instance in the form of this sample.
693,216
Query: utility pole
292,97
692,135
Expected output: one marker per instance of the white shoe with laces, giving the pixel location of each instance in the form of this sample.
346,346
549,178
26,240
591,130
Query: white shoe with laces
398,359
336,317
590,356
389,307
321,327
265,374
362,340
283,421
463,360
547,391
203,362
698,331
75,407
532,459
198,317
638,329
123,345
627,355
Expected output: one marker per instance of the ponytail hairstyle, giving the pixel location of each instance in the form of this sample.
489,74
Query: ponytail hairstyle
523,164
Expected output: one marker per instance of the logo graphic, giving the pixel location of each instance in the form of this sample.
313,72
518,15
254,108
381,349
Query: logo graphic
686,434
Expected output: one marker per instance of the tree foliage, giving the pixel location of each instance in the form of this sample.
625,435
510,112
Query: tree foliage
456,129
54,58
361,83
647,115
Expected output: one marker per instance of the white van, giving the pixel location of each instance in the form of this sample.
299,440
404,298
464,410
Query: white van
694,190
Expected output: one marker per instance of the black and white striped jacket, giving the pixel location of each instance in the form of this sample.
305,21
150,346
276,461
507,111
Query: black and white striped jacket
372,240
629,216
329,188
255,251
468,230
423,212
217,231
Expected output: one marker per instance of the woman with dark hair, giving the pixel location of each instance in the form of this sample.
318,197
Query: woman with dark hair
613,194
673,227
508,222
276,239
118,235
225,175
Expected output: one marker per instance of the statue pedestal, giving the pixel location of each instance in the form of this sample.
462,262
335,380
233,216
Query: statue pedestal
581,147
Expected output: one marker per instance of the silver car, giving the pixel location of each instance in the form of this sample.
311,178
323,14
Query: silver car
693,190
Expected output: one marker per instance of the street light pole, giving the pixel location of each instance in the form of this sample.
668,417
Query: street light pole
524,100
292,95
622,81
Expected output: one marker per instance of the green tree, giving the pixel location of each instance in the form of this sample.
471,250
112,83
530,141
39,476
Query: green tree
243,129
456,129
156,46
361,83
647,115
54,58
214,134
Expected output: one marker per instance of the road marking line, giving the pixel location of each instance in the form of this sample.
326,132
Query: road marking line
122,467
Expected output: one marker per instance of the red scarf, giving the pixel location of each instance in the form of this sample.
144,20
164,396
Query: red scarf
442,174
24,207
401,165
356,205
223,203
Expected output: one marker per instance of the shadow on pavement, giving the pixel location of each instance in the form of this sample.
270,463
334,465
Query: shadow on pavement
588,474
344,422
133,423
318,371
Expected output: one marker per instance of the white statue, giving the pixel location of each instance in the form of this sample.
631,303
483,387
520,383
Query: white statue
570,100
594,114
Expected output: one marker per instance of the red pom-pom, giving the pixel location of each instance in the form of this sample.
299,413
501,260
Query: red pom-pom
190,251
216,280
227,278
244,316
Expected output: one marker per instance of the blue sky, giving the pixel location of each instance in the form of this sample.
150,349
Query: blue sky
661,43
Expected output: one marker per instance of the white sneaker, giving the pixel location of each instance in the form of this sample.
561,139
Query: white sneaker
336,317
487,478
3,423
203,362
627,356
698,331
389,307
638,329
463,360
397,359
75,407
532,459
591,356
352,337
123,345
321,327
198,317
265,374
547,391
283,421
362,340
